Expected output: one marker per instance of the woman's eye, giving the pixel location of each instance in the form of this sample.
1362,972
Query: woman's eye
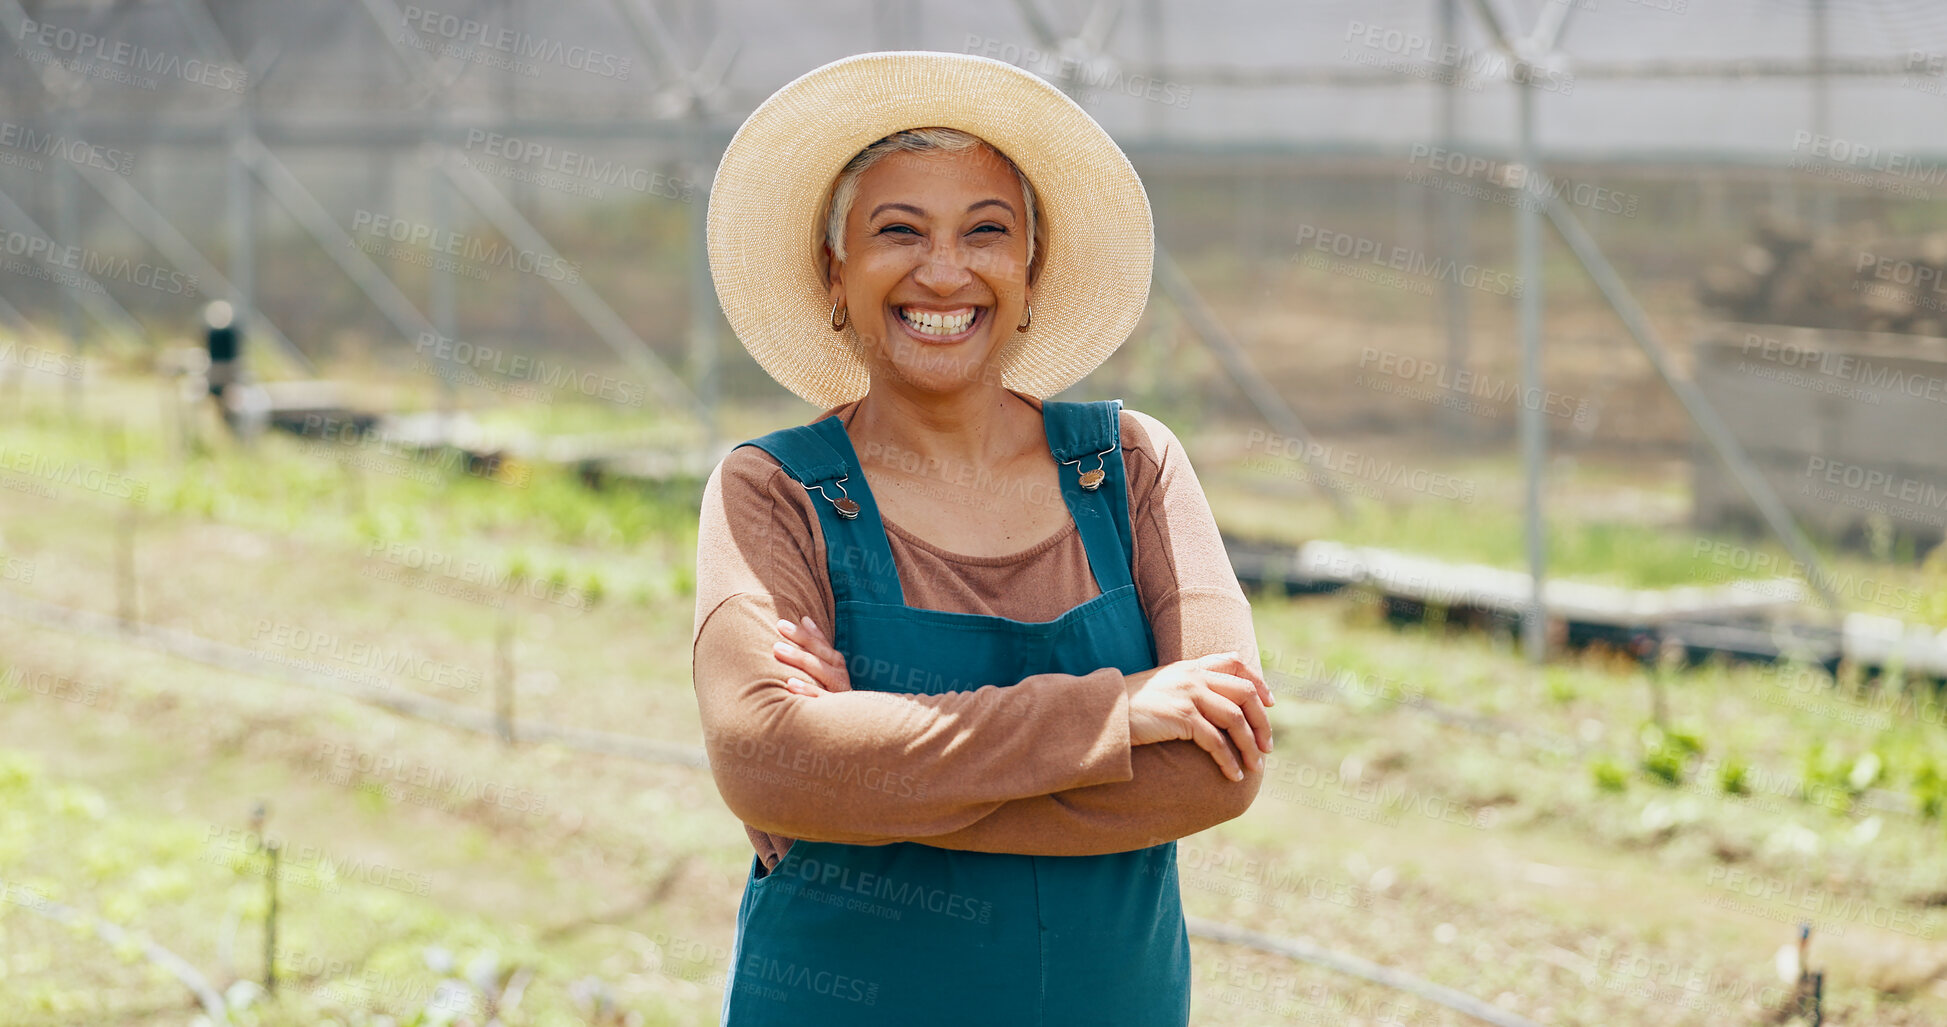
990,227
908,229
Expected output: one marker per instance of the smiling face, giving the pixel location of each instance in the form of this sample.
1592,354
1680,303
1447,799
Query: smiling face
935,275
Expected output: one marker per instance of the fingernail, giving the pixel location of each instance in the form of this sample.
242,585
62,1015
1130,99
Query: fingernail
785,625
783,647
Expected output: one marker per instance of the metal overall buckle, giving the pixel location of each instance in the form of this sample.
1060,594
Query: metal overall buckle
1092,480
844,504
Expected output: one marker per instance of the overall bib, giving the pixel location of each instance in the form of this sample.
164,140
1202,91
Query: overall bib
909,934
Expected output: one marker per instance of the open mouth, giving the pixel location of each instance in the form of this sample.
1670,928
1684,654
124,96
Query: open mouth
941,325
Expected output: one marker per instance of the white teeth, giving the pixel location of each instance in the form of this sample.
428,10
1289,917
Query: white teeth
928,322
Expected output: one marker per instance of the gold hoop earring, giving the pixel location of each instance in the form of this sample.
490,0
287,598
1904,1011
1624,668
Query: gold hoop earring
839,319
1026,321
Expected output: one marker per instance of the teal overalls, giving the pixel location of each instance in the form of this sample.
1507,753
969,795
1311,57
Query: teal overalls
908,934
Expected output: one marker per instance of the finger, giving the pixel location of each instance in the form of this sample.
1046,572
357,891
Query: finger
1260,725
1229,662
805,628
1227,717
830,675
792,656
1246,698
1217,744
837,676
1233,662
1236,689
807,637
815,643
798,686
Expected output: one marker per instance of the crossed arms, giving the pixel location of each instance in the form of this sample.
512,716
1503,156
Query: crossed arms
1044,766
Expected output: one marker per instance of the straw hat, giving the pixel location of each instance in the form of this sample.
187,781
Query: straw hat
767,209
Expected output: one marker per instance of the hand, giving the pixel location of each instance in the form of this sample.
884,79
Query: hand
805,648
1213,700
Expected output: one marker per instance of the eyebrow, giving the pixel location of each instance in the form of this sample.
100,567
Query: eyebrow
917,212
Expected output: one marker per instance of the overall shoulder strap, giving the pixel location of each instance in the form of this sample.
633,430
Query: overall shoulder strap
1086,437
819,456
803,451
1082,429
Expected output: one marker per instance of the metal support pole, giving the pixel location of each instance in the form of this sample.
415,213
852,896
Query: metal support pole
125,584
704,343
272,850
242,225
1153,41
1822,213
439,300
67,232
504,681
1527,228
1460,427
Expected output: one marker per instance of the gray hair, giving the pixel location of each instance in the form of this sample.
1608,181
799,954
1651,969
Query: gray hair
913,140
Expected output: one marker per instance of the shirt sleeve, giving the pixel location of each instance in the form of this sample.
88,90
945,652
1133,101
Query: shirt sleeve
861,767
1196,608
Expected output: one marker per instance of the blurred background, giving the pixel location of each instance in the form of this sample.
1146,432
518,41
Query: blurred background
1569,380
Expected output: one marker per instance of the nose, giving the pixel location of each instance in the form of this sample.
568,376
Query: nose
945,269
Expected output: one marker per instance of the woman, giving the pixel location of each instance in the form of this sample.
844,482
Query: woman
968,660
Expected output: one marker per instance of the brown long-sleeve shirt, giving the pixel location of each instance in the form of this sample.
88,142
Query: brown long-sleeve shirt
1043,767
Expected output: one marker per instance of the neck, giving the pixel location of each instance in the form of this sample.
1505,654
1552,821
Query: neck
980,426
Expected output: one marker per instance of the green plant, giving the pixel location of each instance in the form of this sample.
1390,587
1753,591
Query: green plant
1731,777
1825,764
1929,789
1561,688
1668,752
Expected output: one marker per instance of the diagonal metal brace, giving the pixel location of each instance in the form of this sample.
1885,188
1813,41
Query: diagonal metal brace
1270,405
1702,414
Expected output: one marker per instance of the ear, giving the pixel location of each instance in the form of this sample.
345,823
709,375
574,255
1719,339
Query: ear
834,270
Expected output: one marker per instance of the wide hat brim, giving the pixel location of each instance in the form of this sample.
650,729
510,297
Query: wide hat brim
767,208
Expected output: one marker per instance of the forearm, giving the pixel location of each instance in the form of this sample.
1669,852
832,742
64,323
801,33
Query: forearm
873,767
1176,788
1176,791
